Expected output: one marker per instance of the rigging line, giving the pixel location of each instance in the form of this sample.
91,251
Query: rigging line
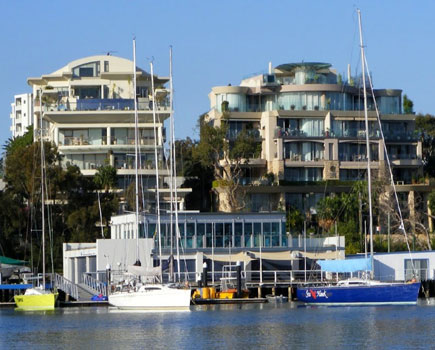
387,158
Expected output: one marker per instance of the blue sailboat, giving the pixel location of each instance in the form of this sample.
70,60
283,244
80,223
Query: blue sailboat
356,291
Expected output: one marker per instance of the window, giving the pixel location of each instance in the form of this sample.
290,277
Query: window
420,266
91,69
106,66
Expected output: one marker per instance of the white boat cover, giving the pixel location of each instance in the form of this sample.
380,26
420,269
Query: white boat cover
144,270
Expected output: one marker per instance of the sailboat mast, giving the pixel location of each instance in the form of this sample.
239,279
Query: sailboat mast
174,175
369,179
42,193
171,175
136,152
157,170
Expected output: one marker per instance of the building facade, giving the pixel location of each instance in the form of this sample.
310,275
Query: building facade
21,114
310,122
88,112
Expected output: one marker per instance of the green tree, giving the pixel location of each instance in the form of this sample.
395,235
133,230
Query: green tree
196,176
295,220
105,177
425,126
408,105
226,154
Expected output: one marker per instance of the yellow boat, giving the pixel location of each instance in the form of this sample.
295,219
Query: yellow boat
36,299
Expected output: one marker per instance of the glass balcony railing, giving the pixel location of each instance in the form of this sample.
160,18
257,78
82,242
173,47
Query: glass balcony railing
355,133
146,141
401,135
232,134
104,105
285,132
402,156
305,158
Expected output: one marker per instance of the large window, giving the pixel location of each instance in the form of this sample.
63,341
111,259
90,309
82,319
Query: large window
389,104
303,174
91,69
355,152
303,151
419,266
75,137
236,102
85,161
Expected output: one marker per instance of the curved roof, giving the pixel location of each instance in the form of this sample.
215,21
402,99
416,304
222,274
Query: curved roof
292,66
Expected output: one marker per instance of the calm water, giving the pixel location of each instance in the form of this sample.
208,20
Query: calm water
265,326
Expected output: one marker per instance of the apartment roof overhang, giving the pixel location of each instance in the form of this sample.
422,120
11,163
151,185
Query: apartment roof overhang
103,117
230,89
387,92
45,79
290,67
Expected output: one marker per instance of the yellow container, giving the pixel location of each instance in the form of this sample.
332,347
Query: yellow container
212,293
205,293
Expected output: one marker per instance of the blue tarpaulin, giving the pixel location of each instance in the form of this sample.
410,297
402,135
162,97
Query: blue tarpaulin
349,265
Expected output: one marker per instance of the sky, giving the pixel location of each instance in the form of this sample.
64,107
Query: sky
218,42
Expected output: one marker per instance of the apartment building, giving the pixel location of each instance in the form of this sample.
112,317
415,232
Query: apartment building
310,122
21,114
88,112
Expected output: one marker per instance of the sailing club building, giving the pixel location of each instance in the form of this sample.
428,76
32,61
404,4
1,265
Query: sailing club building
217,239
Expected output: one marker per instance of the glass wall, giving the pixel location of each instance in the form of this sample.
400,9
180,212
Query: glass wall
84,161
357,152
389,104
309,127
299,101
225,234
303,174
76,137
303,151
236,102
235,127
348,128
402,151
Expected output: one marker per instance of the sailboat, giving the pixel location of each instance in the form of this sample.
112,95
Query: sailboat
39,298
143,295
361,291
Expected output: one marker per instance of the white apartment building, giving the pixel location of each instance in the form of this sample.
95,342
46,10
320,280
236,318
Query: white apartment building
88,112
21,114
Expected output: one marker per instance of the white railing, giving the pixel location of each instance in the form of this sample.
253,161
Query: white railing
66,285
97,286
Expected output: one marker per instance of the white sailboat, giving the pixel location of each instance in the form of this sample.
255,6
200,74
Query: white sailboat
366,291
39,298
142,294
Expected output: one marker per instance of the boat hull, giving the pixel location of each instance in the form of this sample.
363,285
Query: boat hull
36,302
380,294
164,298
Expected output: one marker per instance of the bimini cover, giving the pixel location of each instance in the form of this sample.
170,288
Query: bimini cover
349,265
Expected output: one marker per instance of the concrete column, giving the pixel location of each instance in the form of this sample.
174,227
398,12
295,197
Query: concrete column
280,149
76,271
88,264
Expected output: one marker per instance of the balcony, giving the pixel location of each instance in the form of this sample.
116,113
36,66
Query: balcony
232,134
401,136
285,133
104,105
144,141
354,133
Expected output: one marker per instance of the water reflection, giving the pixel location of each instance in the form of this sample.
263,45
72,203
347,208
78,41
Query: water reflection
259,326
